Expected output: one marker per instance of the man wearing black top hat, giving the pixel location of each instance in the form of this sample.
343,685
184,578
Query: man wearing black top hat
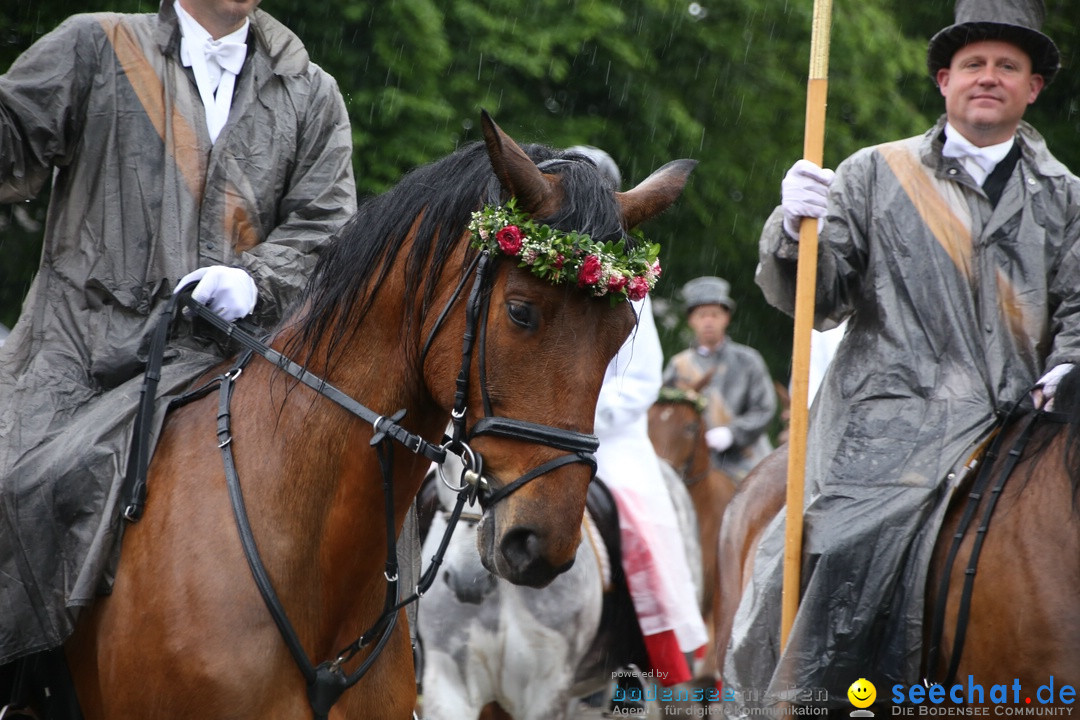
954,256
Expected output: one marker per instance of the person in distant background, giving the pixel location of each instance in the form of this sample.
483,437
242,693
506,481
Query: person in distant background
196,145
740,393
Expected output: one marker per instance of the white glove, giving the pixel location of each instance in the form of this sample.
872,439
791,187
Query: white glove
804,193
228,291
1043,394
719,438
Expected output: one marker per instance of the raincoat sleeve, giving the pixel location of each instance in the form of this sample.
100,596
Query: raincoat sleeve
321,197
748,425
842,254
1065,291
40,100
633,377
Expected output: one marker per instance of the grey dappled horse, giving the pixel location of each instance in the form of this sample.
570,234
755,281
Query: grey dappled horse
488,642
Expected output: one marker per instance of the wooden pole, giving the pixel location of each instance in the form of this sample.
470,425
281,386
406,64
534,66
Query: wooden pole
806,283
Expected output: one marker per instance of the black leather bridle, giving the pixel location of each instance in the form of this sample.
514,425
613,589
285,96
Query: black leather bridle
327,681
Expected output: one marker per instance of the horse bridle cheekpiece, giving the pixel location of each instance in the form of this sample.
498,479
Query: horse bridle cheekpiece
327,681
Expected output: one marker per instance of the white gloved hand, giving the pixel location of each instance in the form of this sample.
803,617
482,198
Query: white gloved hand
719,438
228,291
804,193
1043,394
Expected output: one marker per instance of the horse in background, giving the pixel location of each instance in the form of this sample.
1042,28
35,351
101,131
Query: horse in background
186,632
1020,622
494,650
677,430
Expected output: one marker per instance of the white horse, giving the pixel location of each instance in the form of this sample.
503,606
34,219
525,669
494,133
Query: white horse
517,651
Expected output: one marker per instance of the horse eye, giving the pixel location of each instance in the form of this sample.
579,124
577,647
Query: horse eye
523,315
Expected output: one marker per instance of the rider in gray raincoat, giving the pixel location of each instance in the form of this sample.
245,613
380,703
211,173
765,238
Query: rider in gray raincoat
104,109
958,302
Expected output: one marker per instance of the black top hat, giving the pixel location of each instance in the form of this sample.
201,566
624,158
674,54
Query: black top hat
1015,21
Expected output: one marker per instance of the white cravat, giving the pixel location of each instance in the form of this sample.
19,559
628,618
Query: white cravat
215,64
978,161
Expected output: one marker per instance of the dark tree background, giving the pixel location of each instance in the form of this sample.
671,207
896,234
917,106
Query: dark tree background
721,81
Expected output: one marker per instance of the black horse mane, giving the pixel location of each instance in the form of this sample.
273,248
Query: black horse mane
439,199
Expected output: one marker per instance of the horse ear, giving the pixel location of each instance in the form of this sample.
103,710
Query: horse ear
516,171
654,194
703,381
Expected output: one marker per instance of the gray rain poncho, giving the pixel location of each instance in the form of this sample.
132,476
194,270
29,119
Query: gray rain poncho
956,307
140,197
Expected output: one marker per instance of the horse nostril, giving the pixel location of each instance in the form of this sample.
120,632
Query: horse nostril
521,551
520,547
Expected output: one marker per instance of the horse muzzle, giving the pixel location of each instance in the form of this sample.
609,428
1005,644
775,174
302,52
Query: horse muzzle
517,555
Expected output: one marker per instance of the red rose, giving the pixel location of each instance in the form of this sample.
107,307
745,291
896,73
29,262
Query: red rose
638,288
509,239
616,283
559,260
589,274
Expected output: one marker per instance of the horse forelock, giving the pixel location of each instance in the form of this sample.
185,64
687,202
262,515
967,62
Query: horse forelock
429,210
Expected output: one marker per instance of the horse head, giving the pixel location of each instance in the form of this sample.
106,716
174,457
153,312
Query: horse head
677,428
434,260
542,348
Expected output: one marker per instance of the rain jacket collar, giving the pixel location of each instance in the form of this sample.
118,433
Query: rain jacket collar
279,50
1032,149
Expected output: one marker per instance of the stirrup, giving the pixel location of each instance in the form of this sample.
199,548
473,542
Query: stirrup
10,712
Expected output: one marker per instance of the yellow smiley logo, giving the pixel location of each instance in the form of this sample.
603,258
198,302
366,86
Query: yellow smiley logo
862,693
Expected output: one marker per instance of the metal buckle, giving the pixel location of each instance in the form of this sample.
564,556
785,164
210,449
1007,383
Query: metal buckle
472,474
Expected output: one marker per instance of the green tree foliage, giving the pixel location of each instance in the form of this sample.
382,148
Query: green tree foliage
720,81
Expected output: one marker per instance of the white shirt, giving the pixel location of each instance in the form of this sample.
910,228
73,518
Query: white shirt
978,161
215,64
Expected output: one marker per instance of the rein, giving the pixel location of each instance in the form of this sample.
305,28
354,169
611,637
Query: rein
979,488
327,681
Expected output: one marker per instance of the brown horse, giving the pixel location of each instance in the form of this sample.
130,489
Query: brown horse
1020,622
677,431
185,632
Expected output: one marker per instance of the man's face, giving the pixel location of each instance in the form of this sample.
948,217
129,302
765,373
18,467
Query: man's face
709,323
220,17
987,87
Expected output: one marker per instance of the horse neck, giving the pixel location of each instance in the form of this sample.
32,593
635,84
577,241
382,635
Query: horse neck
319,494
